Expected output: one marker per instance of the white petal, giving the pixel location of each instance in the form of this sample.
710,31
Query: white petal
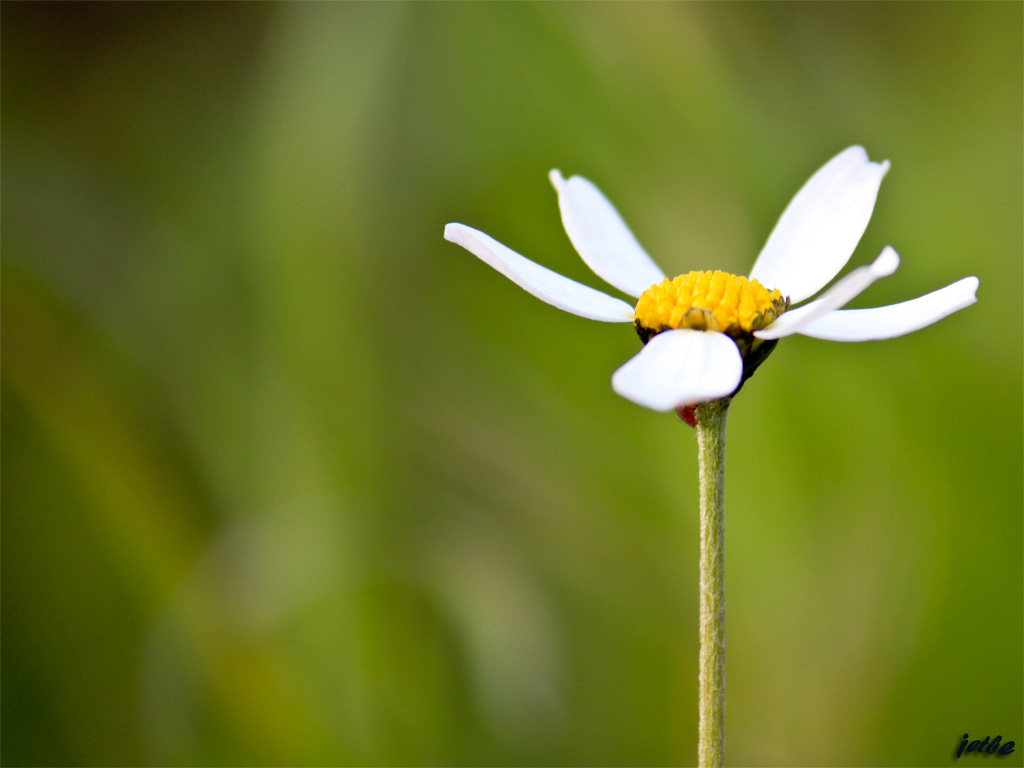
896,319
839,295
680,367
546,285
818,231
602,238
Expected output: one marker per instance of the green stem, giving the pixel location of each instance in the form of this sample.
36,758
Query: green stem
711,457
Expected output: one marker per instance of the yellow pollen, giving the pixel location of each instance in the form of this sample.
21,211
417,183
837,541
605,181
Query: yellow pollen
711,301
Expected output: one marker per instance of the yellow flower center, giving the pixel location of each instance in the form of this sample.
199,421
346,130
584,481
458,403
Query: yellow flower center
708,301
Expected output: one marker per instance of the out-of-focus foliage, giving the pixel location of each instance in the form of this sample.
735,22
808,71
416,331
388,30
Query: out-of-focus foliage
289,479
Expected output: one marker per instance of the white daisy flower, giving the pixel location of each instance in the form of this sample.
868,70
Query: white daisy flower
704,333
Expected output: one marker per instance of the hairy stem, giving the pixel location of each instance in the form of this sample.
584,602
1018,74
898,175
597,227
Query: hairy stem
711,457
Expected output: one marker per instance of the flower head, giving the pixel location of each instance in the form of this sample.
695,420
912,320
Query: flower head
705,333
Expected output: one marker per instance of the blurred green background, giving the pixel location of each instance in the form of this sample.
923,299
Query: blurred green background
288,479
